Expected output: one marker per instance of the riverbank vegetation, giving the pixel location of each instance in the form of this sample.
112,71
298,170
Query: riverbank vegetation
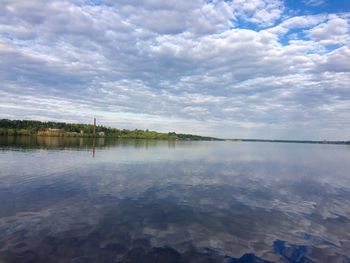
61,129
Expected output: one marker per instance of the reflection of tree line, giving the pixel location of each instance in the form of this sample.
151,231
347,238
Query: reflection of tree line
76,142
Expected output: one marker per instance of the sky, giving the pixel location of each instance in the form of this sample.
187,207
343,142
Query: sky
268,69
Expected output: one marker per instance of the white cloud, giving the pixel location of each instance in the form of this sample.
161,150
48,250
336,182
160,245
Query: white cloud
298,22
314,2
261,12
334,31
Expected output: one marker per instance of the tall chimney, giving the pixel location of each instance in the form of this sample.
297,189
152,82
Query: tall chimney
94,128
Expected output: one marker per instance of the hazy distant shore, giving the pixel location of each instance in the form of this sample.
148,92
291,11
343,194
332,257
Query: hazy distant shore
291,141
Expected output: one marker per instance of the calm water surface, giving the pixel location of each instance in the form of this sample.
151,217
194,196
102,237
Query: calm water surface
158,201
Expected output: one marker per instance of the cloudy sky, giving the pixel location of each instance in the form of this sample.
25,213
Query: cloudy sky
232,69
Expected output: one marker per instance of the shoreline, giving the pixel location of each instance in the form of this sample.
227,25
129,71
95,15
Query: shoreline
175,139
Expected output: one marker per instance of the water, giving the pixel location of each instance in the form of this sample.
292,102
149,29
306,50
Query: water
156,201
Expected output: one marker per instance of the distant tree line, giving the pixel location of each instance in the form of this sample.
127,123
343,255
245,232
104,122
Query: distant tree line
38,128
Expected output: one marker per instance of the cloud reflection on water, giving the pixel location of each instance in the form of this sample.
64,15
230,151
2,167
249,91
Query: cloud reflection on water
206,201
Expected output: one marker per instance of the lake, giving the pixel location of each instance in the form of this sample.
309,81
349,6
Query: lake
79,200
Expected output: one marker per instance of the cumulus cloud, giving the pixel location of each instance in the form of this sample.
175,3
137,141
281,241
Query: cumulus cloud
334,31
298,22
224,66
261,12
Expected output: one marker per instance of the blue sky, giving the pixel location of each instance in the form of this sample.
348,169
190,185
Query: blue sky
233,69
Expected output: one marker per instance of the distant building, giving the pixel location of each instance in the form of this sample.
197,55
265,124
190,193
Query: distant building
55,130
101,134
51,131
